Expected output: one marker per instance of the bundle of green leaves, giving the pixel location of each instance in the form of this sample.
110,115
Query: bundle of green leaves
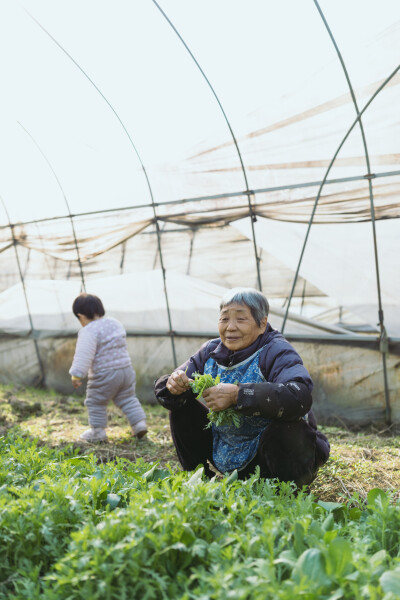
202,382
229,416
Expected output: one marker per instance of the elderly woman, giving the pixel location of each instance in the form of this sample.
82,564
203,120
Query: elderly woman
264,380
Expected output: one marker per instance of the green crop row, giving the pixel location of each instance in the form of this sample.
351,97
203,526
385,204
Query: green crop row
73,529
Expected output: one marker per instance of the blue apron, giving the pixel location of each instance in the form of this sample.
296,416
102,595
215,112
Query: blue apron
234,447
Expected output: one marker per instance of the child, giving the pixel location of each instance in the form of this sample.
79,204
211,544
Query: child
102,354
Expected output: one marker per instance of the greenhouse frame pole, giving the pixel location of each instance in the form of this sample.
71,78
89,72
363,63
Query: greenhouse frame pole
380,88
143,169
21,275
212,197
384,349
249,193
66,204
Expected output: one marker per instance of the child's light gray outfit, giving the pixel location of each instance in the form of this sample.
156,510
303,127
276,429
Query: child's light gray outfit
102,354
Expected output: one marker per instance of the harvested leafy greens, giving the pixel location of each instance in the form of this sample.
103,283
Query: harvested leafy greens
229,416
202,382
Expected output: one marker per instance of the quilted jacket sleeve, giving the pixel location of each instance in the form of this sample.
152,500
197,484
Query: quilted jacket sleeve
286,394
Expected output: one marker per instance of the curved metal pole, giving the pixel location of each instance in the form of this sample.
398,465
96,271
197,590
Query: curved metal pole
143,169
248,192
371,197
380,88
65,200
21,275
213,197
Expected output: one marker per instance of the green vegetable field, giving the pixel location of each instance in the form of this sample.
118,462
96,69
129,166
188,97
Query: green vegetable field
110,522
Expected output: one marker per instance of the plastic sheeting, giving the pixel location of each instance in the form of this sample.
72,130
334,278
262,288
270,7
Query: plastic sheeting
137,300
107,124
273,66
340,262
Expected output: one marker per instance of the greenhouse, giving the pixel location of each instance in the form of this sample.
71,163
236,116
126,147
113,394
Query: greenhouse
158,154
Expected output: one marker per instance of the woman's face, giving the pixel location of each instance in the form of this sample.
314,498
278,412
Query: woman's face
237,327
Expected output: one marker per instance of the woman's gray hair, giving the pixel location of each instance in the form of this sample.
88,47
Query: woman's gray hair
255,300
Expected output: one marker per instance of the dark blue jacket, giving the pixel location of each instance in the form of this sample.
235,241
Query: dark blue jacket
286,393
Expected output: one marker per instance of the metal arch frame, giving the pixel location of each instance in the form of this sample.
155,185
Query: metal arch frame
248,192
330,166
143,169
384,348
15,243
211,197
66,203
369,176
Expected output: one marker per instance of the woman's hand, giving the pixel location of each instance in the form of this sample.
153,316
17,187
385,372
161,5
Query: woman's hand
178,383
221,396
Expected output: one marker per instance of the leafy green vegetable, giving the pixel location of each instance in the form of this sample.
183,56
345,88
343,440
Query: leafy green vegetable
229,416
202,382
73,529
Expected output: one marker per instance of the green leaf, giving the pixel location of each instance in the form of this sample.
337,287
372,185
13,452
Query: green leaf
155,473
390,582
199,548
329,523
202,382
329,536
354,576
355,513
311,565
287,557
336,595
378,558
232,477
338,509
298,544
177,546
339,557
330,506
113,500
76,460
196,478
229,416
377,494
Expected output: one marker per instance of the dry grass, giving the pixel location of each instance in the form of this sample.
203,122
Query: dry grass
59,420
359,462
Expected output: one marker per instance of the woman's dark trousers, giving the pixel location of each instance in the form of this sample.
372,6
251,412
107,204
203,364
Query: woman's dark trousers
288,450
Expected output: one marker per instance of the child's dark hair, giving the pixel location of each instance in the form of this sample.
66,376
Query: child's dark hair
88,305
